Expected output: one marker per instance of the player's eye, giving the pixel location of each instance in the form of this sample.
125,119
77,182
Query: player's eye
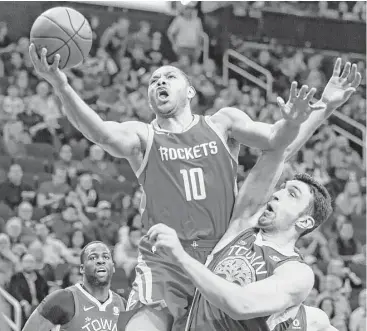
171,76
107,257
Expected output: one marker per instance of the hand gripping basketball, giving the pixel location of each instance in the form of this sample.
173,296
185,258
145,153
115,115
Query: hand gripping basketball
49,72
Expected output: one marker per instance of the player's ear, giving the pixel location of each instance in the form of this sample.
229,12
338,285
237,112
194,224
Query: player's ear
81,268
305,223
191,92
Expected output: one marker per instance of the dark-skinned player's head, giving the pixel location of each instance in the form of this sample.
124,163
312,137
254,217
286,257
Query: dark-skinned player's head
169,91
301,204
97,266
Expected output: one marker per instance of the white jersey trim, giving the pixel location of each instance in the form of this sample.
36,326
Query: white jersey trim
274,320
160,130
286,252
220,136
100,306
147,151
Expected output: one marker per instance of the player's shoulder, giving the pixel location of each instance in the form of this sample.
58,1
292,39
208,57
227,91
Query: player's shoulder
119,300
58,299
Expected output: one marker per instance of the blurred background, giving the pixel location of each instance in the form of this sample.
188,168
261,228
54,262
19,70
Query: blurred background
58,191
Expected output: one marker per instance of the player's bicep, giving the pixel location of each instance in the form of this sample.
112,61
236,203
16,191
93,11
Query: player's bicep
37,322
124,139
243,129
259,184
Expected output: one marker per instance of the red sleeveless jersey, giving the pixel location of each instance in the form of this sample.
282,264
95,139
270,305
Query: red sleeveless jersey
245,260
90,314
189,180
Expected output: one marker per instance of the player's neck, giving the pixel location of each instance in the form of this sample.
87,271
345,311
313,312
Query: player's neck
282,240
179,123
100,293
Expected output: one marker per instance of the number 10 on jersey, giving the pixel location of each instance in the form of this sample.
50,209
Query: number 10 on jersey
194,183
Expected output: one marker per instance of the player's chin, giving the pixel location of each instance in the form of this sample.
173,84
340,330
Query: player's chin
264,222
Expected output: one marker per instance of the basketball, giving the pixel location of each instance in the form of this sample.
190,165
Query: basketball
63,31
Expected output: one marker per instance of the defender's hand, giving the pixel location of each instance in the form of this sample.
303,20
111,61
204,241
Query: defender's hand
165,237
51,73
298,107
339,89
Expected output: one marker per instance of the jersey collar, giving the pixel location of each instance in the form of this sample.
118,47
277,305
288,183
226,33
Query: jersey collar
100,306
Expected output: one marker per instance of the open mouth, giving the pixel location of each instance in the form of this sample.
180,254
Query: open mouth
101,271
162,94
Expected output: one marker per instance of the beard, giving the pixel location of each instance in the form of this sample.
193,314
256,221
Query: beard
95,281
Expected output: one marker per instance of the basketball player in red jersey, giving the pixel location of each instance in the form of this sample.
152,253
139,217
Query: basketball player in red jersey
88,306
255,280
311,319
187,167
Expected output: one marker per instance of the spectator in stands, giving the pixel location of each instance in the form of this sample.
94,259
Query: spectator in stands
315,244
357,321
54,250
327,304
6,45
28,286
332,288
12,104
25,213
66,161
9,261
185,34
77,242
103,228
350,201
345,246
51,193
47,132
15,138
71,277
121,204
116,38
29,118
350,279
85,191
142,37
44,103
126,251
14,190
96,164
43,268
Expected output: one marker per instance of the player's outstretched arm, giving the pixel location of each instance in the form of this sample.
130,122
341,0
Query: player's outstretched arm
56,309
266,137
119,139
260,182
338,90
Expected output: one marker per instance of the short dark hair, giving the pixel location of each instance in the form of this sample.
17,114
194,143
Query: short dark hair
82,254
320,206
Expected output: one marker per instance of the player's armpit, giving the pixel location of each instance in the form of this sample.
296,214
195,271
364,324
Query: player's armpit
37,322
286,288
239,126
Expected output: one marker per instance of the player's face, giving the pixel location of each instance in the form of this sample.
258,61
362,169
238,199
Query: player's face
168,91
98,266
286,208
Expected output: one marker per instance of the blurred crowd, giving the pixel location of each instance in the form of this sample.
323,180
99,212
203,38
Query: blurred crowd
58,191
344,10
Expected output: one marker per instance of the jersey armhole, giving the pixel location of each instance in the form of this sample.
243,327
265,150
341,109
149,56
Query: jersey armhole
76,308
147,151
220,136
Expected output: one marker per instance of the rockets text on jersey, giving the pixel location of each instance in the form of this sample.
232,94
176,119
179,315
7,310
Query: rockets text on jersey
90,314
189,180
